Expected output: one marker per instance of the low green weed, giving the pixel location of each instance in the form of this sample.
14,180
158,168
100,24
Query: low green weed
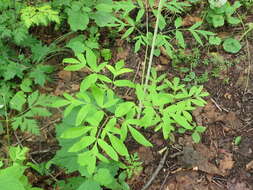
27,107
221,11
12,176
102,121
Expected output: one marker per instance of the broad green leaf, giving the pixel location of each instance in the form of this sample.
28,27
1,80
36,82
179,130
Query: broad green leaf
98,95
118,145
128,32
124,83
104,177
82,114
123,108
111,69
196,137
88,159
178,22
96,118
60,103
237,140
181,121
82,144
108,149
180,38
218,20
77,19
103,18
71,60
122,71
139,137
232,45
196,25
200,129
187,115
90,184
108,127
88,82
91,59
74,132
104,78
140,15
196,37
198,102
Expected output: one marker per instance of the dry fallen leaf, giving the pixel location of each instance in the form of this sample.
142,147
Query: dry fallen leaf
249,166
65,75
190,20
226,163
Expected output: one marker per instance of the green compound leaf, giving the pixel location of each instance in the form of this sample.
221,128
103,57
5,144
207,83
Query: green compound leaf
18,101
232,45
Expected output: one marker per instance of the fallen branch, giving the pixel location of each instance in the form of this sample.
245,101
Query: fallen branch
160,166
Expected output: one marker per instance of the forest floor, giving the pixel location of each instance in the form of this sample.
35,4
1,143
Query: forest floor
224,158
219,162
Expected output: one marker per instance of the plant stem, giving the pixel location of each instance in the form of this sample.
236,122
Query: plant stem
153,45
152,51
6,121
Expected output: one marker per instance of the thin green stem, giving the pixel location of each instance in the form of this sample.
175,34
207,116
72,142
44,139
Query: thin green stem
146,51
6,121
153,45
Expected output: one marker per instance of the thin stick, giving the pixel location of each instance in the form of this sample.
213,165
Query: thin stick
160,166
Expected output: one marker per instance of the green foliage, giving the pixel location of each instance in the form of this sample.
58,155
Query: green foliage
12,177
27,108
81,13
133,166
232,45
39,15
237,140
105,176
221,11
102,121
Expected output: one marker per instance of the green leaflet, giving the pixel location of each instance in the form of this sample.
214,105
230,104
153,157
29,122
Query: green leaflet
18,101
75,132
123,108
108,149
82,144
88,82
139,137
118,145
